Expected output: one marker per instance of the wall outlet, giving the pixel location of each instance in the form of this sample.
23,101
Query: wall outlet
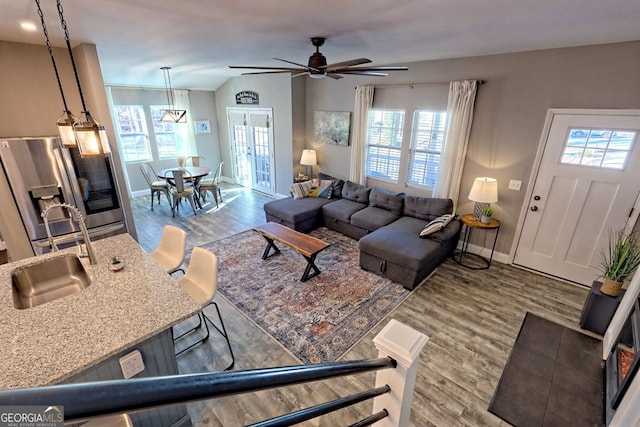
131,364
515,185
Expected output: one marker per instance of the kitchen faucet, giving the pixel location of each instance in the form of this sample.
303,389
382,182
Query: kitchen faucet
77,215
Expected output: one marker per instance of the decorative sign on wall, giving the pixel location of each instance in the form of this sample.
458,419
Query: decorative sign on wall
332,127
247,97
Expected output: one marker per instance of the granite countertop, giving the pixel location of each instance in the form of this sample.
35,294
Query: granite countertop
49,343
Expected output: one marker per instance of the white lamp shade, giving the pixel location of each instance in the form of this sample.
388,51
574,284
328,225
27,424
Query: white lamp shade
308,158
484,190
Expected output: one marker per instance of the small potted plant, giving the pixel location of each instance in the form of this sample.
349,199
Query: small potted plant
619,262
487,211
116,264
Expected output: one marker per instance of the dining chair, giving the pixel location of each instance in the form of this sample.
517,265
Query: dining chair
212,185
201,282
155,185
177,180
195,161
171,250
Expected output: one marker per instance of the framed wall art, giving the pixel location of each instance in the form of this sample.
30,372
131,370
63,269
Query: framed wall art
332,127
203,126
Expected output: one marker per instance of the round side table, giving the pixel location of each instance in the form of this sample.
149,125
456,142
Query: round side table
470,223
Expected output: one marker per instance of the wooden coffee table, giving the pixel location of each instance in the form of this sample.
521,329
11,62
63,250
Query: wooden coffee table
305,245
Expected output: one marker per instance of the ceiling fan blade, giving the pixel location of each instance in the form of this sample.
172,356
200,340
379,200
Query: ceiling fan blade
349,63
295,63
272,72
362,73
333,75
373,69
264,68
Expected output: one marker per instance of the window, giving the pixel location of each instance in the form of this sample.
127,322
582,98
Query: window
427,139
390,156
169,139
384,143
132,131
606,148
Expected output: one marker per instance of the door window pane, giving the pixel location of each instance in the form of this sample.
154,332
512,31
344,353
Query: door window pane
603,148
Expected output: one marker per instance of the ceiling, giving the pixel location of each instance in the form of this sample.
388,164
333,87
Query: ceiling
199,39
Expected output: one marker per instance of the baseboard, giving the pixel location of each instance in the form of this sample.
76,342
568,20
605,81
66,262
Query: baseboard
486,252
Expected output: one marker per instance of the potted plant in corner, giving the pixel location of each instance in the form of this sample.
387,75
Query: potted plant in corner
487,211
619,262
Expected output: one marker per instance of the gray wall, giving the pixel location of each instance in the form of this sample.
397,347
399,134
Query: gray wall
275,91
510,109
203,107
31,102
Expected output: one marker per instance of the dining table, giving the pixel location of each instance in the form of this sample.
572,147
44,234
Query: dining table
196,172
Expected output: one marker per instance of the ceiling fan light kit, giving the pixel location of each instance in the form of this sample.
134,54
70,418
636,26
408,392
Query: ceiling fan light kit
317,67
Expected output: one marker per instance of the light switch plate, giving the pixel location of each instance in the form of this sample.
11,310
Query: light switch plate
131,364
515,185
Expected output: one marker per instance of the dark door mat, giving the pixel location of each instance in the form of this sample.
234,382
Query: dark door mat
553,377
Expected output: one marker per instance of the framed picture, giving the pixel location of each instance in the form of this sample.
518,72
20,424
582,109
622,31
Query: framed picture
332,127
203,126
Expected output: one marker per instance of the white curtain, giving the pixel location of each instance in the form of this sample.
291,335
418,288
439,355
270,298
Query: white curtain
186,130
462,95
364,101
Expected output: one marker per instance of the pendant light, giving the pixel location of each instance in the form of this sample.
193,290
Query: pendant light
66,121
171,115
90,135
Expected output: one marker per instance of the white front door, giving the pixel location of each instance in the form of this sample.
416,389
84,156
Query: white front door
251,134
586,187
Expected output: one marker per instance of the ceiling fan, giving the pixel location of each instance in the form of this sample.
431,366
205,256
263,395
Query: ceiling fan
317,67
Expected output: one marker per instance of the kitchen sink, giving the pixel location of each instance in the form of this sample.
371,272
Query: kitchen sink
47,280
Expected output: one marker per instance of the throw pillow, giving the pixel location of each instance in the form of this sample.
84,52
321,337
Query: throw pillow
321,188
436,225
337,184
300,190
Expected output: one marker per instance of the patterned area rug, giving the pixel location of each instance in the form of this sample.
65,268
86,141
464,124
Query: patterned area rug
318,320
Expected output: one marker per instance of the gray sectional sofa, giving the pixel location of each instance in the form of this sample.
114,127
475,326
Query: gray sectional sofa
387,225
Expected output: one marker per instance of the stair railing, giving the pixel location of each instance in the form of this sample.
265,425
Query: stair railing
398,345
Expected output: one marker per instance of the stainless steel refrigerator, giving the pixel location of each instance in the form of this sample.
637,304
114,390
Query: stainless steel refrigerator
41,172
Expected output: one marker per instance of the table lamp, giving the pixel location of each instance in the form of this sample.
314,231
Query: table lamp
309,159
484,192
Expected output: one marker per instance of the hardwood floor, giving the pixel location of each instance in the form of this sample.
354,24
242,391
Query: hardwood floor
471,316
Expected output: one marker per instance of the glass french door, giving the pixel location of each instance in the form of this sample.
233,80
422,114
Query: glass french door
251,136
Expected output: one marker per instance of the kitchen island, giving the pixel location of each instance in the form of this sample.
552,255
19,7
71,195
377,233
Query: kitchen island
56,341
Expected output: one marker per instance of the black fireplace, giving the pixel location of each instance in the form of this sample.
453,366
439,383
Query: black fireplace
622,364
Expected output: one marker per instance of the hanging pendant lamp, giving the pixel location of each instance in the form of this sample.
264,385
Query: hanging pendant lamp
66,121
171,115
90,135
